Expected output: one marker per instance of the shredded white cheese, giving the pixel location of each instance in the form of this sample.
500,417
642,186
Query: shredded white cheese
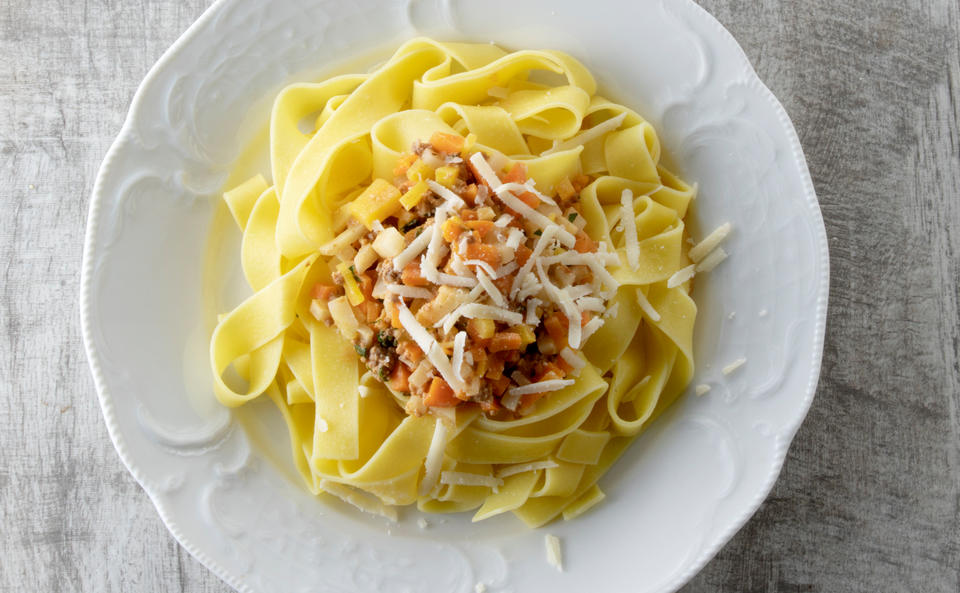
510,401
524,272
491,289
321,425
629,222
467,479
591,327
681,276
414,249
504,220
434,460
701,249
478,311
572,359
428,265
482,265
646,307
569,308
519,468
541,387
733,366
459,342
451,280
713,260
532,318
450,197
587,135
409,292
589,303
554,555
702,389
514,238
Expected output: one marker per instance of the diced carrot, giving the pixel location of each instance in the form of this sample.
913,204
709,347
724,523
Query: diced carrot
564,366
522,254
530,199
394,312
479,360
516,174
367,280
324,292
483,227
585,318
410,351
411,275
527,401
491,406
506,341
400,378
470,195
500,385
371,310
440,395
557,329
449,143
494,367
584,243
504,283
481,329
548,370
452,230
404,163
511,356
483,252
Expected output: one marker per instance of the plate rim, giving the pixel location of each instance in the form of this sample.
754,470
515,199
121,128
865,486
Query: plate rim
783,439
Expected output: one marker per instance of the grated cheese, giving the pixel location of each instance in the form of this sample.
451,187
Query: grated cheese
646,307
459,342
681,276
561,298
428,265
434,460
491,289
702,389
524,272
478,311
451,280
554,555
733,366
701,249
414,249
519,378
532,318
629,222
519,468
587,135
506,269
321,425
409,292
504,220
591,327
540,387
510,401
482,264
364,501
467,479
713,260
451,198
589,303
514,239
572,359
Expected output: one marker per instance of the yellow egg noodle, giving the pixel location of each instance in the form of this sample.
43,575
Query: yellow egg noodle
349,433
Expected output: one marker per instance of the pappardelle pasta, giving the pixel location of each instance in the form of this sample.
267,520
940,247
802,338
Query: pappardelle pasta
470,287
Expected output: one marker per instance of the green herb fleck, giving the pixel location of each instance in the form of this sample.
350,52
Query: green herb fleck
354,273
360,349
572,216
538,232
386,340
411,225
383,373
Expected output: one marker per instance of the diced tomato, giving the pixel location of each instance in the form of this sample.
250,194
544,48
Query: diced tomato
483,252
440,395
411,275
324,292
449,143
506,341
516,174
584,243
400,378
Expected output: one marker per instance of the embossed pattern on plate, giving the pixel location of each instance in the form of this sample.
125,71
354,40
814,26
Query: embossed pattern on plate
222,481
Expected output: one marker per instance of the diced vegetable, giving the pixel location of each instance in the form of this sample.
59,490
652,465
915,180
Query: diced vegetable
481,329
322,291
342,314
526,334
584,243
506,341
351,283
447,175
404,163
400,378
380,200
452,229
366,257
469,141
318,308
565,189
414,194
419,171
557,329
483,252
483,227
440,395
516,174
389,243
449,143
447,299
530,199
410,351
486,213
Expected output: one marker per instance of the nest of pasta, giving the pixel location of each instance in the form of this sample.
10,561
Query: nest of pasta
470,288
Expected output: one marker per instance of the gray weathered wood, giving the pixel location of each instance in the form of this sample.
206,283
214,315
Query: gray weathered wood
869,499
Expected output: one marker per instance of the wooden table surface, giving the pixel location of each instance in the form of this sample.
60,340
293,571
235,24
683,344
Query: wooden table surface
869,498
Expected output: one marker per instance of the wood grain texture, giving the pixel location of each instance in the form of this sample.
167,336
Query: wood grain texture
869,498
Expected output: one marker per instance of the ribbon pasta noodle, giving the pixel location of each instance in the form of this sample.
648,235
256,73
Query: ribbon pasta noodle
438,426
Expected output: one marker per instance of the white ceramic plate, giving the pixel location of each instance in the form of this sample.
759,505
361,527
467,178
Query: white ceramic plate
222,481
